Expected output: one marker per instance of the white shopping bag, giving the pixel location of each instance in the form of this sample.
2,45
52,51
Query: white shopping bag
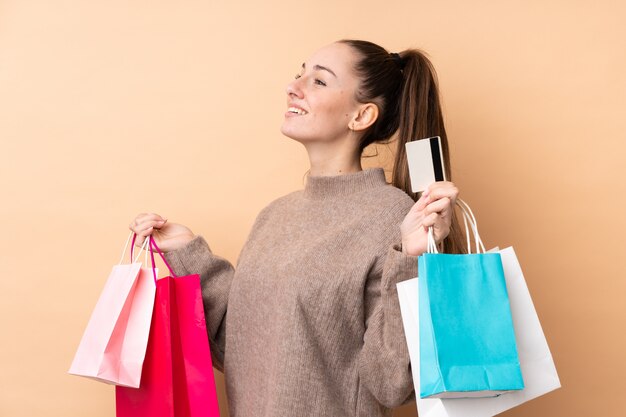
538,370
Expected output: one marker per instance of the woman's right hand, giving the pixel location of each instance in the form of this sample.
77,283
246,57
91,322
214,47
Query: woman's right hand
167,236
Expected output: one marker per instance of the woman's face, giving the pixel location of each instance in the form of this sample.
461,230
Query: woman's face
321,100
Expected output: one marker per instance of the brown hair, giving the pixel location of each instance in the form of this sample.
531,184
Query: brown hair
404,87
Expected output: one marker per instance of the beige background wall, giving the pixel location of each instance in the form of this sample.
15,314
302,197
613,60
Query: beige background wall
110,108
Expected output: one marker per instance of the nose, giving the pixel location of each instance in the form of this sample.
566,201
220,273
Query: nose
293,88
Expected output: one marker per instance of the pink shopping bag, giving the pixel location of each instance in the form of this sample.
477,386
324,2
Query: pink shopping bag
178,372
113,347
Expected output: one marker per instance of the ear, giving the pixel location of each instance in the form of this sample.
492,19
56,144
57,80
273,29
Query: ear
366,115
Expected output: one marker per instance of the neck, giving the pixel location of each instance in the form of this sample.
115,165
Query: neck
328,159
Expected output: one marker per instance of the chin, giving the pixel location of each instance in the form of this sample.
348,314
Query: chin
302,134
291,135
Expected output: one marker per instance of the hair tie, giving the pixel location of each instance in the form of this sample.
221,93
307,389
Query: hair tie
397,59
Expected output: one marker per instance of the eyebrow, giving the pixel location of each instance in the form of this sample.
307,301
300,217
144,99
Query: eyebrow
319,67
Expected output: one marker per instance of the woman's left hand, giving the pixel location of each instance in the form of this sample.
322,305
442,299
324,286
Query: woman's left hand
434,208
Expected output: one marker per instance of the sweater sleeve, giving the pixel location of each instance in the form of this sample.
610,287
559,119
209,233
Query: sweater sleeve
384,366
216,275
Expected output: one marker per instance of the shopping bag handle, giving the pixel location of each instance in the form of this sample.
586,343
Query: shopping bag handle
143,247
468,218
152,248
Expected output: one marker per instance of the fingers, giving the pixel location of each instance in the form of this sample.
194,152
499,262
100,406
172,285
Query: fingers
436,191
146,228
441,226
441,206
438,206
441,189
146,217
144,224
421,203
437,222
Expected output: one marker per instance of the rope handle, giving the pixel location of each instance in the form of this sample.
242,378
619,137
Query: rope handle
153,247
146,247
143,247
468,219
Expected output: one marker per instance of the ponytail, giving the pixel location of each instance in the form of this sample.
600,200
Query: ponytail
420,117
404,86
419,114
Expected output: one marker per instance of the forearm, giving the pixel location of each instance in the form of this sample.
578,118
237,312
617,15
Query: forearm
384,365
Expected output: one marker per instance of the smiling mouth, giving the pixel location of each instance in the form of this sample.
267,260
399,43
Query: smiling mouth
296,110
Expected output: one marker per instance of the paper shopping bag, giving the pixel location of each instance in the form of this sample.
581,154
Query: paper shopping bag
467,342
113,346
538,370
178,376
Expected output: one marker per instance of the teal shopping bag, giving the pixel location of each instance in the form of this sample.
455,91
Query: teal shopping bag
467,340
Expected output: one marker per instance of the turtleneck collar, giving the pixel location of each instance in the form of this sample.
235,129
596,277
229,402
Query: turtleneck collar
323,187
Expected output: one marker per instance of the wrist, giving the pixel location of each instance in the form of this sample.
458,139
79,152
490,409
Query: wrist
410,250
184,241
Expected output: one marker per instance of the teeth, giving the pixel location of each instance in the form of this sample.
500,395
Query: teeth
296,110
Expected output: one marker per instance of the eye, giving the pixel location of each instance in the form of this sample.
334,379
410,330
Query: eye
319,82
297,76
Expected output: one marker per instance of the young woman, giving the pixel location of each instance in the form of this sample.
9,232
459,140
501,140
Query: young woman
308,323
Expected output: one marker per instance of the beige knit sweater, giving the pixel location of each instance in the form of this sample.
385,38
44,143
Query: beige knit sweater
308,324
